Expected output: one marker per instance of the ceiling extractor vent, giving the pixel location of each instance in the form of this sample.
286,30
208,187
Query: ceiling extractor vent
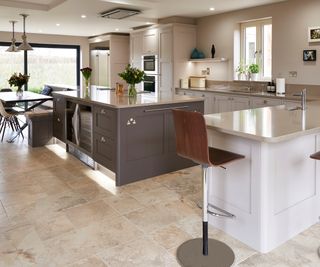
119,13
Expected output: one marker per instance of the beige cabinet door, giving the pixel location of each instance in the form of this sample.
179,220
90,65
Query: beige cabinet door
136,46
150,42
260,102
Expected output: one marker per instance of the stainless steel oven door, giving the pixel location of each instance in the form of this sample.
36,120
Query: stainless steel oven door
150,83
149,63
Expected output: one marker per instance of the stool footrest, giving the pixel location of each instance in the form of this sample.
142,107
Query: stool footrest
222,212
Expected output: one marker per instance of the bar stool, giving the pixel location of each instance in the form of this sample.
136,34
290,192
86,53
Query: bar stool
192,143
316,156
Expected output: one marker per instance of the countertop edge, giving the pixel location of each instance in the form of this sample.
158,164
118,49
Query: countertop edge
253,94
165,102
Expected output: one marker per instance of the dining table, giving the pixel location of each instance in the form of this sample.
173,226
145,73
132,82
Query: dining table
30,100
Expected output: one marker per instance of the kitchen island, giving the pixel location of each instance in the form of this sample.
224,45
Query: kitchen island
132,137
275,191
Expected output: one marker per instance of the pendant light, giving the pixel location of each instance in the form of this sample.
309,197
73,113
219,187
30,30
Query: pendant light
24,45
12,47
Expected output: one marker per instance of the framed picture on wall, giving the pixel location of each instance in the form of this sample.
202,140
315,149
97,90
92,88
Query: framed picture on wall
314,34
309,55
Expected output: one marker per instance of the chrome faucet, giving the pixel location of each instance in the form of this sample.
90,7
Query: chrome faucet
303,95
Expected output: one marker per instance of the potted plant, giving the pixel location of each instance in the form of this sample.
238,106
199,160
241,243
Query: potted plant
242,71
18,80
254,70
132,76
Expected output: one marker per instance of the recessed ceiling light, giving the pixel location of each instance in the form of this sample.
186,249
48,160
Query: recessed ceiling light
211,8
116,29
83,16
40,31
58,24
148,23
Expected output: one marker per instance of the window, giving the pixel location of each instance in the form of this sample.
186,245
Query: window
9,63
47,64
256,46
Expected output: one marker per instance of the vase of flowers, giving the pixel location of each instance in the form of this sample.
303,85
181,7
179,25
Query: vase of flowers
132,76
18,80
86,73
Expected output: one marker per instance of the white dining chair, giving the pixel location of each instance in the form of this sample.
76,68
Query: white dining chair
8,119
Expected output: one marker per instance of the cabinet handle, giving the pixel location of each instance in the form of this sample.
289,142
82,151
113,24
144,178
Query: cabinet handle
230,98
131,121
103,111
265,101
102,140
163,109
58,119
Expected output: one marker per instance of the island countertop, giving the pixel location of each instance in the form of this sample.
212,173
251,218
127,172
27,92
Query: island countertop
109,98
268,124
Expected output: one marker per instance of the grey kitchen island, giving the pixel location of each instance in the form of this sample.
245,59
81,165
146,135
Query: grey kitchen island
132,137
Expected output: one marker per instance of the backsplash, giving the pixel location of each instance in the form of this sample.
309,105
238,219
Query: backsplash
312,90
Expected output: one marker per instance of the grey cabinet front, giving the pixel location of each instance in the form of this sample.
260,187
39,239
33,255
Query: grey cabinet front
147,139
104,137
59,127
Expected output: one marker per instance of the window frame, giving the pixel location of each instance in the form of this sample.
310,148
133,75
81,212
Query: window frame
259,24
44,45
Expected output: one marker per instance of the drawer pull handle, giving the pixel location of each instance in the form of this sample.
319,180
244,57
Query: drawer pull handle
265,101
163,109
58,119
103,111
102,140
131,121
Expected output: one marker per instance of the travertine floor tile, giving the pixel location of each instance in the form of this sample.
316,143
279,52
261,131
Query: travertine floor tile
141,252
89,262
56,211
123,203
83,215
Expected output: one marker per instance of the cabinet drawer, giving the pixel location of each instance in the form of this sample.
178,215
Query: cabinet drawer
103,150
104,121
59,127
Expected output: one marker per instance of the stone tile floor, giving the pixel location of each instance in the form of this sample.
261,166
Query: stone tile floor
55,211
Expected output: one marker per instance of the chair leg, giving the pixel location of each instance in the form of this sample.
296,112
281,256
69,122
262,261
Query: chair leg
205,252
204,212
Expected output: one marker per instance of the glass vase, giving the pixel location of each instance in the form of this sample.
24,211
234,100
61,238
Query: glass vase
132,90
87,88
19,91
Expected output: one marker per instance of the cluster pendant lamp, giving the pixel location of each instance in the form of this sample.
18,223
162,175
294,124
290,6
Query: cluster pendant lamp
24,46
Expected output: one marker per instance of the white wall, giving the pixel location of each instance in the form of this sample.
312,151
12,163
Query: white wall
290,22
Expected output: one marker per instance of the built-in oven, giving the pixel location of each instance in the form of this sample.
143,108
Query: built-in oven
149,63
150,83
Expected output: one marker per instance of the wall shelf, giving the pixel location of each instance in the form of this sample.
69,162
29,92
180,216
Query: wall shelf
208,60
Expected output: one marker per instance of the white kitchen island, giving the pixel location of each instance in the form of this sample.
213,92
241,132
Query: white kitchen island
275,191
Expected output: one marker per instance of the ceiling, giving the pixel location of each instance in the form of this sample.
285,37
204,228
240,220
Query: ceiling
64,16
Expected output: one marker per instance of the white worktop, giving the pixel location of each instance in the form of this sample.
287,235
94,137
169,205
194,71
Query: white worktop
109,98
268,124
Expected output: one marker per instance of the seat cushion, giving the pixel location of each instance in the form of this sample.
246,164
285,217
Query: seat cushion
220,157
47,90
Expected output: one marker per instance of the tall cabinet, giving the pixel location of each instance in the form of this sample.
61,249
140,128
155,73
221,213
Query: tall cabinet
172,44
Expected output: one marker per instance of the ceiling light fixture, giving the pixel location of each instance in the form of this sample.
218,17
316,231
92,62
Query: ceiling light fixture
148,23
12,47
24,45
58,24
211,8
83,16
116,29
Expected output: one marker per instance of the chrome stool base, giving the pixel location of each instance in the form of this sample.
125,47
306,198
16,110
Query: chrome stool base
189,254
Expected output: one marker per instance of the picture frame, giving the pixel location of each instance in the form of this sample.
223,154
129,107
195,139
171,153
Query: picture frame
314,34
309,55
